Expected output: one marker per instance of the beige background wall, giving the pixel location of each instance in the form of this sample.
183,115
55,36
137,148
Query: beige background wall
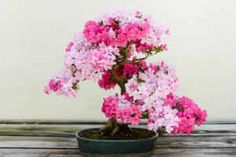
33,34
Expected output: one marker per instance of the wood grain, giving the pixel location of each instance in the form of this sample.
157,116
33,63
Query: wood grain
29,139
224,152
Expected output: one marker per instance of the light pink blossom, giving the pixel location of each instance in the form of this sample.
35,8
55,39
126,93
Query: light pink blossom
156,83
163,116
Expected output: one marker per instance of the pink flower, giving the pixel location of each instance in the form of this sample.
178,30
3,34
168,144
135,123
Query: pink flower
201,117
109,107
154,67
163,117
188,112
69,46
102,58
143,65
119,107
91,28
60,87
132,32
106,81
152,85
61,84
143,47
130,69
55,85
164,47
97,33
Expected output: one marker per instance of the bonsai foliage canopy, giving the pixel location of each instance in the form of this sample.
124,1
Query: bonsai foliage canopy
113,50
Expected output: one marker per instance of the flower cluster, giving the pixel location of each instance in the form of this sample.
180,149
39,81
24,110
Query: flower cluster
112,50
121,107
85,62
189,113
153,85
61,84
150,88
97,48
106,81
126,72
119,28
163,116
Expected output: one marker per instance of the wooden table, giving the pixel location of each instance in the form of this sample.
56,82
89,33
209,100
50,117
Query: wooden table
56,139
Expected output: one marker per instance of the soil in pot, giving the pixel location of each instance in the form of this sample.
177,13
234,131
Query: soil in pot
132,134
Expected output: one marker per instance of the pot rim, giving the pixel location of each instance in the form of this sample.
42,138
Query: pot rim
107,140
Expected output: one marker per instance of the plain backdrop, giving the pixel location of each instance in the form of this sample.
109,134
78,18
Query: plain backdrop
34,33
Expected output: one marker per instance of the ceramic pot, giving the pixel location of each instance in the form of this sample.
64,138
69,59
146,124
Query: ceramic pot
107,146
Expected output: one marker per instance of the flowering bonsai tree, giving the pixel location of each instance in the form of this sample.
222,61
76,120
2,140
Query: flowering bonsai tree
112,50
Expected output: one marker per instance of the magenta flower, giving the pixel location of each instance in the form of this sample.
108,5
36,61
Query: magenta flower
189,113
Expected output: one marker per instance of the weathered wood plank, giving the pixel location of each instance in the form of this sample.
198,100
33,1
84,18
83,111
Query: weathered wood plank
41,130
220,152
69,130
57,139
224,152
79,122
162,142
40,153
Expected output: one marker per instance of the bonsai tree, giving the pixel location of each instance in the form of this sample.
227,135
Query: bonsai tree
113,50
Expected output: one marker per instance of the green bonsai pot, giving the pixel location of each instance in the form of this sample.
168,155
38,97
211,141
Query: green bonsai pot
115,146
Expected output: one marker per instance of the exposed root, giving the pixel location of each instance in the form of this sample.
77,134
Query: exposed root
114,129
